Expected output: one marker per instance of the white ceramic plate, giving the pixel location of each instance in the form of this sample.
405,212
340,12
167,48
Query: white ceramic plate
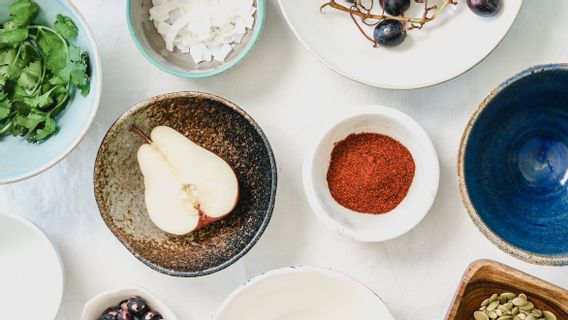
303,293
442,50
422,192
31,275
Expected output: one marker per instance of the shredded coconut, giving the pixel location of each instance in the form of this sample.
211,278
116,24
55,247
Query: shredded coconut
206,29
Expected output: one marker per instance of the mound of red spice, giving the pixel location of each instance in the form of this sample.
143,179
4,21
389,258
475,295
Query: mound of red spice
370,173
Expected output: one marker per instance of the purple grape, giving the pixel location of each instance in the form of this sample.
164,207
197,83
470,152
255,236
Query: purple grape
395,7
389,33
484,8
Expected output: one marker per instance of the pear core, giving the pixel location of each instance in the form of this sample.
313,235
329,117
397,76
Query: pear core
186,185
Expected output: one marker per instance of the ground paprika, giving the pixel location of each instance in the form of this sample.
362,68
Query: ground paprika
370,173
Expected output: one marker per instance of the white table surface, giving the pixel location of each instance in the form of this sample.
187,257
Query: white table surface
290,94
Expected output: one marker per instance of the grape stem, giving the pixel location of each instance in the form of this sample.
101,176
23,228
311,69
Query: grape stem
430,13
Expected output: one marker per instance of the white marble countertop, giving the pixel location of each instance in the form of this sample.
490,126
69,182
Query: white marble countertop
289,93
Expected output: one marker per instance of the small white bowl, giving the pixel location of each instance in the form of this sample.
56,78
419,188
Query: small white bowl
97,305
369,227
303,293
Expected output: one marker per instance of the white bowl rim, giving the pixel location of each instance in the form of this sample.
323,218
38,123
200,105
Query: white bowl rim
140,291
35,229
97,65
292,270
399,116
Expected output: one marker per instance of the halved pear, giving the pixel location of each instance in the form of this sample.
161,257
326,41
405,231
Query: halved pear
186,185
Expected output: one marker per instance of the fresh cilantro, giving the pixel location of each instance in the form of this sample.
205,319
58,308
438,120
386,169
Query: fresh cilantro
14,36
5,109
23,12
30,75
66,27
39,72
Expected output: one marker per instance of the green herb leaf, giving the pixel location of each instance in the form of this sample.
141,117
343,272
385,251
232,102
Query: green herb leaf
13,36
45,130
40,101
23,12
7,56
54,50
30,121
66,27
30,75
5,109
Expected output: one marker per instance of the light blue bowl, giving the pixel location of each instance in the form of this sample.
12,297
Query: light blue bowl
19,159
151,44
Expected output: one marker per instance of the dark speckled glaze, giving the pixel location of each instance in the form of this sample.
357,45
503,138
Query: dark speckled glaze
514,166
217,125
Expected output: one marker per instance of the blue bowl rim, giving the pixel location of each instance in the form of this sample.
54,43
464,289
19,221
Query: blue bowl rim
524,255
273,187
226,66
96,64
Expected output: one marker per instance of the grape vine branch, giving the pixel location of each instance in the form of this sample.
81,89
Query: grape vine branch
365,12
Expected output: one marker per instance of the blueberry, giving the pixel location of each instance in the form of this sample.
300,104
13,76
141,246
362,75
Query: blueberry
136,305
110,314
389,33
124,314
152,315
123,304
484,8
395,7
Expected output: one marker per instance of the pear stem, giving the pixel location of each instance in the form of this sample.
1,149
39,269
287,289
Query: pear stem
141,133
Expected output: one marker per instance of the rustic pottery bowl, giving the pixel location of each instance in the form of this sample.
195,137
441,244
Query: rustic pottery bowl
513,166
485,277
420,197
151,44
217,125
27,159
303,293
97,305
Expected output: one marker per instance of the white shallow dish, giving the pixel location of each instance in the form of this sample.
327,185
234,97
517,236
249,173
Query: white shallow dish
422,192
31,272
442,50
97,305
303,293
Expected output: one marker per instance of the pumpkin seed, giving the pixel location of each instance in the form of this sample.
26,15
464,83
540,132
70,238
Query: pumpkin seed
478,315
518,301
509,306
492,305
527,307
548,315
508,295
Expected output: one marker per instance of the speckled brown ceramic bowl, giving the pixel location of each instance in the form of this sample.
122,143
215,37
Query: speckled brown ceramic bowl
216,124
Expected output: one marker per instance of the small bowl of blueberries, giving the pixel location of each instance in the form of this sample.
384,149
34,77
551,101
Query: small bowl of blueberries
126,304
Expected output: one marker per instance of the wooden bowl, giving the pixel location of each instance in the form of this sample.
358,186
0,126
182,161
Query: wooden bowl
485,277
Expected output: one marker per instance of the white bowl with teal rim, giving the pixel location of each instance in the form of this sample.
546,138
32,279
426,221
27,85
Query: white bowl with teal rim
19,159
152,46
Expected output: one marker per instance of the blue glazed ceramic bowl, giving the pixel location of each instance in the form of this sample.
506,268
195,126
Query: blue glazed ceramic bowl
513,166
26,159
153,47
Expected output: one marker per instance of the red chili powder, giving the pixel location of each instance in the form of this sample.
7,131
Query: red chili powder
370,173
